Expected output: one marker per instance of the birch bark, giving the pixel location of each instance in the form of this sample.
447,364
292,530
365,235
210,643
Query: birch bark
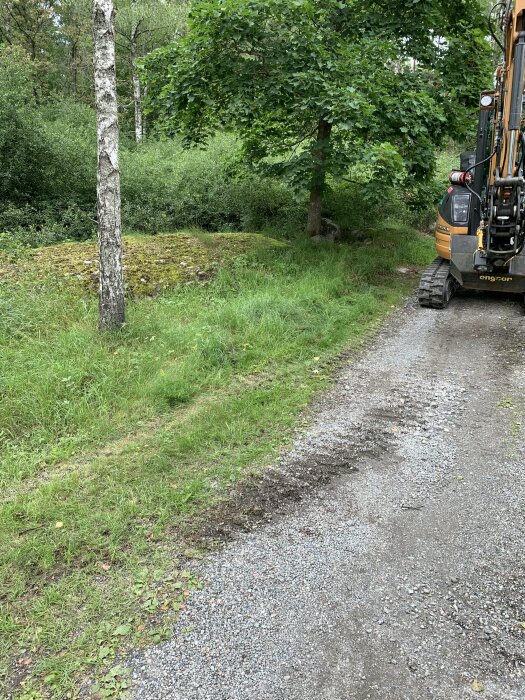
111,286
137,93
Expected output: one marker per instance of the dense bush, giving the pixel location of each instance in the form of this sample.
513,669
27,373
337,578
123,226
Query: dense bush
46,223
70,131
24,152
48,161
165,187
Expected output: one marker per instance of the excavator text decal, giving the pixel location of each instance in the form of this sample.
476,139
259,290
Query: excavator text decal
491,278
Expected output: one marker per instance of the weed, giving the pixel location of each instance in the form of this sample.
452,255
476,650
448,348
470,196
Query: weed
124,439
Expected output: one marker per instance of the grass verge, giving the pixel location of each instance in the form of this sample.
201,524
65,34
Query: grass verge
111,443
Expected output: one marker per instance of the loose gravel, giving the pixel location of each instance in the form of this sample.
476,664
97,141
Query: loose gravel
403,577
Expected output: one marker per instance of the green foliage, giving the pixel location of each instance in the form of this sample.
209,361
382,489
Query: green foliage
312,58
427,195
273,69
141,26
72,67
29,226
56,35
31,25
165,187
47,158
70,130
24,152
48,161
200,388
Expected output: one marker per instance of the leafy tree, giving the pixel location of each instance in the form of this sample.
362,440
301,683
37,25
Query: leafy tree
143,25
57,36
316,86
74,62
30,24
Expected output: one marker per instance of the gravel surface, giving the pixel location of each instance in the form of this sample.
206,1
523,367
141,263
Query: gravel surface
403,577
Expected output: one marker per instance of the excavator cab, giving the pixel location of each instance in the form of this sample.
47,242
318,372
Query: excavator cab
455,208
480,232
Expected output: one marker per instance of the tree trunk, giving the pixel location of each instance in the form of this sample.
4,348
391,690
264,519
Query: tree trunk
315,210
74,66
111,300
137,94
144,116
137,98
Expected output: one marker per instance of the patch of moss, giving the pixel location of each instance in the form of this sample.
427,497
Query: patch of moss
151,264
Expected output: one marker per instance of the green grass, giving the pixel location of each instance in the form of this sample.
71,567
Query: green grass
112,444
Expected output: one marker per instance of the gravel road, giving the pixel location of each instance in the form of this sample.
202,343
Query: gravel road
401,578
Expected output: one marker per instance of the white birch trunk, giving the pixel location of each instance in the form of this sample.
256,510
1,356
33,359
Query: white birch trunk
137,96
111,301
137,93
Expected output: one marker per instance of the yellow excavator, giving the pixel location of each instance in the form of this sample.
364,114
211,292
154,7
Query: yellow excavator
480,233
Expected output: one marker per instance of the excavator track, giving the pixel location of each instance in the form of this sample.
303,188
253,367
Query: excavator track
437,285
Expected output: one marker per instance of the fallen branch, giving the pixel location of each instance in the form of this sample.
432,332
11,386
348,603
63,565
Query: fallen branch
30,529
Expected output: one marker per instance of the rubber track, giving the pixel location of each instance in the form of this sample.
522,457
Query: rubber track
432,289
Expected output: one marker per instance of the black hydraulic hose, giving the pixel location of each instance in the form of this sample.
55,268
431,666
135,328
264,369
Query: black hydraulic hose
481,162
522,164
491,28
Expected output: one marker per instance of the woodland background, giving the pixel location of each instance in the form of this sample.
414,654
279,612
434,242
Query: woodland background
414,76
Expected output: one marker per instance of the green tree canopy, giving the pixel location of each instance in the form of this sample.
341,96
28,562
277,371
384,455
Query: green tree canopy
316,86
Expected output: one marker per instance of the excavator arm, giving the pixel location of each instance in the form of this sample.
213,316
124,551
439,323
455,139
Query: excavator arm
502,235
480,235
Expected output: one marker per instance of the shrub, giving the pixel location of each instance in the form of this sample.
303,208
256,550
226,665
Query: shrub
44,153
70,131
24,151
32,226
165,187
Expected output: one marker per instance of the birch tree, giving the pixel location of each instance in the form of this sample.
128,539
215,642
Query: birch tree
143,25
111,304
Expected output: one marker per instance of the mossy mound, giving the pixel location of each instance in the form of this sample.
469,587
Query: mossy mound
151,264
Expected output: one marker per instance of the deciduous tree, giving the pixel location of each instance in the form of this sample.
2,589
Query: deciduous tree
315,86
143,25
31,25
112,310
76,42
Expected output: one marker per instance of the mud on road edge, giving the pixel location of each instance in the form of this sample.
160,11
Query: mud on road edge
260,498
